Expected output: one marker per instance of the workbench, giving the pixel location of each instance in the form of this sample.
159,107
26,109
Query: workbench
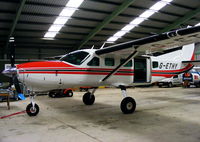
7,95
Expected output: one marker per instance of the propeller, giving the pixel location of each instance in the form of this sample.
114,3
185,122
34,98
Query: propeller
12,72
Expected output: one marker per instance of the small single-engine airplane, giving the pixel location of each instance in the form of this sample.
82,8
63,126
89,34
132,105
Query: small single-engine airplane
126,64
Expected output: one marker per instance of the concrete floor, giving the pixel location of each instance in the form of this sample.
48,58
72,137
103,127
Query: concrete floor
162,115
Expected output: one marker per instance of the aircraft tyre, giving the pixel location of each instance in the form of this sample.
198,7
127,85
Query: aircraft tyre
128,105
32,112
88,98
52,94
69,93
170,85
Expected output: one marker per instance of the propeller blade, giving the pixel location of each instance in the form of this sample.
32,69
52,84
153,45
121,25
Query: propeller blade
12,72
18,88
16,83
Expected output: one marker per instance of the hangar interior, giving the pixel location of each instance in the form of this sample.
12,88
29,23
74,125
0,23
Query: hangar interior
24,24
35,30
92,23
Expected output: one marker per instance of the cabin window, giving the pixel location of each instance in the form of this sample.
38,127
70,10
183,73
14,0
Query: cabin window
109,62
94,62
176,76
129,64
75,58
155,64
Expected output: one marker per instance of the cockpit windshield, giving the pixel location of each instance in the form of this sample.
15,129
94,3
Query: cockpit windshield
76,58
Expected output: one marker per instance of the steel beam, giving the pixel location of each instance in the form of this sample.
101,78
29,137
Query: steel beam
181,20
14,23
107,20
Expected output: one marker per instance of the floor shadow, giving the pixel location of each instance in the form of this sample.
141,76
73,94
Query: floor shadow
144,122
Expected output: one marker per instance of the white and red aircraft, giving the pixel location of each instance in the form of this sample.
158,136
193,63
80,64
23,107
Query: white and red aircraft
126,64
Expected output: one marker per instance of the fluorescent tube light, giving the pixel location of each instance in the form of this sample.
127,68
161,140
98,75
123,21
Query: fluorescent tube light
137,21
120,33
197,24
128,27
50,34
63,17
12,39
74,3
48,38
55,28
147,13
167,1
61,20
158,5
112,39
67,12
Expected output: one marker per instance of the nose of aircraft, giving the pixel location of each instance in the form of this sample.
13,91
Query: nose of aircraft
10,72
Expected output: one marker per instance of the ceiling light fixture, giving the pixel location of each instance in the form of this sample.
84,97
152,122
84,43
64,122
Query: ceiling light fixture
12,39
197,24
138,20
50,35
62,19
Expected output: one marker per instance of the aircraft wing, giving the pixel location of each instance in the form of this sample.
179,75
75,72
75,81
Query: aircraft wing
196,62
155,43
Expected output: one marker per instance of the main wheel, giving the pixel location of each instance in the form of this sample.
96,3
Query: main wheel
88,98
32,111
69,93
52,94
128,105
170,85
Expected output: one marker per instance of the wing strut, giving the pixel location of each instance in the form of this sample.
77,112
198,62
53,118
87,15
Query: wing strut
120,65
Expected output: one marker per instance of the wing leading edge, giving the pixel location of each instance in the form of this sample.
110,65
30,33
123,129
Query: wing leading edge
156,43
196,62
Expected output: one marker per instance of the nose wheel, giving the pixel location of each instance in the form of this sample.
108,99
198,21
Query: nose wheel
32,110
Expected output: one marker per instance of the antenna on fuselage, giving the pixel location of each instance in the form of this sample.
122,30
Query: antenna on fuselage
92,47
105,44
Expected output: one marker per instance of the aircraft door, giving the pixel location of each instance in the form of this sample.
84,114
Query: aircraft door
142,70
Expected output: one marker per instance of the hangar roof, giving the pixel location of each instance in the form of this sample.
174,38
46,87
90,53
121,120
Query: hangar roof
91,24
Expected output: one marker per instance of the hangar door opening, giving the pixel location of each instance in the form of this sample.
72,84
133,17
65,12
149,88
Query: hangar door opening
142,70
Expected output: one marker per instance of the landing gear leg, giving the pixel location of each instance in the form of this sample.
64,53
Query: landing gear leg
89,98
128,104
32,109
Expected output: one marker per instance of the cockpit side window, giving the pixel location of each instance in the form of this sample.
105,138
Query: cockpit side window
76,58
94,62
109,61
155,64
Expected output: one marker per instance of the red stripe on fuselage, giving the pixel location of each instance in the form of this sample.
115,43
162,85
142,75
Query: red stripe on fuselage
43,64
58,66
69,68
80,73
164,75
193,57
